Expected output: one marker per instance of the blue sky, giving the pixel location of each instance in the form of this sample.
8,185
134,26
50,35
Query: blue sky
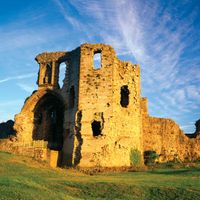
162,36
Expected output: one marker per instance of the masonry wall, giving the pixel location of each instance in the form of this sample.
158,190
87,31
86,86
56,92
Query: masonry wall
25,121
23,143
166,138
70,93
99,100
89,95
127,120
95,103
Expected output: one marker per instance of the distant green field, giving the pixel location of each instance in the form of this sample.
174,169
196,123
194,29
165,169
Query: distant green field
24,178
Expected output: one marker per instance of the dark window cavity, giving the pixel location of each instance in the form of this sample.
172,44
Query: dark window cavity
48,72
96,128
124,101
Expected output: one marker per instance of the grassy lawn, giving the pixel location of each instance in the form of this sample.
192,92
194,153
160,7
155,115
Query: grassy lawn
24,178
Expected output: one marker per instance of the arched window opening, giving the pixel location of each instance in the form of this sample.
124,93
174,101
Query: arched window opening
96,128
48,73
71,97
124,101
97,59
48,121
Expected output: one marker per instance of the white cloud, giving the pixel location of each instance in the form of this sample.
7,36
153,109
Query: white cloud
21,35
26,87
18,77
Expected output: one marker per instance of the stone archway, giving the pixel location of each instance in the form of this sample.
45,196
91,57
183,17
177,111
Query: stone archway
48,121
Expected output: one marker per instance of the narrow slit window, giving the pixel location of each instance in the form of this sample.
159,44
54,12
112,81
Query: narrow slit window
97,59
62,70
71,97
124,101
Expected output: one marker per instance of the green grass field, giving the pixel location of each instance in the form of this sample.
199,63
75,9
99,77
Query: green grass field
24,178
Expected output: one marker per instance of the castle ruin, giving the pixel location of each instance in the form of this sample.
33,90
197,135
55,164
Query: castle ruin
97,117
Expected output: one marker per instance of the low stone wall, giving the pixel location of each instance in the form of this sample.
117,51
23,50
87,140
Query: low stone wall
166,138
36,150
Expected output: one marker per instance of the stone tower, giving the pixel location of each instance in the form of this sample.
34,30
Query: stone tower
94,119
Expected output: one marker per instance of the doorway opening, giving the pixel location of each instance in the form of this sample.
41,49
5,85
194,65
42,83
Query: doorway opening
48,121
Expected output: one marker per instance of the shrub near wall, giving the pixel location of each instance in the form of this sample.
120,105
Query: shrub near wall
150,157
135,158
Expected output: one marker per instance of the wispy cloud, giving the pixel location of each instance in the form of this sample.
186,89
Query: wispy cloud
10,103
63,7
193,92
16,36
18,77
26,87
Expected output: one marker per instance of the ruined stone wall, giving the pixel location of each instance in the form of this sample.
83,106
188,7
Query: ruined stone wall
37,150
195,148
104,114
166,138
127,120
95,103
24,121
107,99
99,100
23,143
70,93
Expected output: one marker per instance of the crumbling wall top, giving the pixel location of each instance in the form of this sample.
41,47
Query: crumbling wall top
100,46
51,56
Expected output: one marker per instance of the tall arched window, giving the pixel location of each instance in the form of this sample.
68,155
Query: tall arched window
48,73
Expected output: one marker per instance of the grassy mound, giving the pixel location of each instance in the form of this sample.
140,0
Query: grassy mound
23,178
